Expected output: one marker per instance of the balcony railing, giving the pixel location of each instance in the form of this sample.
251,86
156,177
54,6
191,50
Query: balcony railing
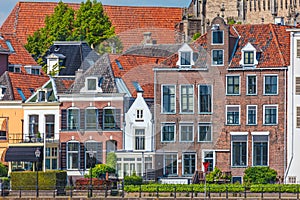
16,138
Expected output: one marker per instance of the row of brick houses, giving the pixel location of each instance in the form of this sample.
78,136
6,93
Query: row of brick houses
229,98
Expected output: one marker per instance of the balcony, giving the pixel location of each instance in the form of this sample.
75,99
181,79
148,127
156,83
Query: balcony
16,138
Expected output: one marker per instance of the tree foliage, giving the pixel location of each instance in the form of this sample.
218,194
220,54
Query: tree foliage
259,175
3,170
111,160
101,169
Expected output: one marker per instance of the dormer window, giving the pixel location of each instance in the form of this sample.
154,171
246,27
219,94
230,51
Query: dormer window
217,35
91,83
33,69
42,96
14,68
249,55
185,54
139,115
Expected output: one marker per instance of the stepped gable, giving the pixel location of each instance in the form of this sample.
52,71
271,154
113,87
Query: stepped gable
136,68
130,22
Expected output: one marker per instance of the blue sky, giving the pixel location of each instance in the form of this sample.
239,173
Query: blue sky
7,5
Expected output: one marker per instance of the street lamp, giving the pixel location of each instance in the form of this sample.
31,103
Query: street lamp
37,155
91,154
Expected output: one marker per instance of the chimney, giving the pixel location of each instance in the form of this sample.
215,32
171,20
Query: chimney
147,38
78,73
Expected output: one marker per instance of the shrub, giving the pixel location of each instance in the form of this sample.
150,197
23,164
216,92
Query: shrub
214,175
100,170
133,180
111,160
259,175
3,170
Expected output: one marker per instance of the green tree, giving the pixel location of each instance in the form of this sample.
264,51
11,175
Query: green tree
111,160
111,45
259,175
92,24
3,170
100,170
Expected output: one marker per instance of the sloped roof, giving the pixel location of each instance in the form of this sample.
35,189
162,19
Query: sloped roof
136,68
129,22
63,84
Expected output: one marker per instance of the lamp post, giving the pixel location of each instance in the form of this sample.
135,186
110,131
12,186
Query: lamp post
91,154
37,155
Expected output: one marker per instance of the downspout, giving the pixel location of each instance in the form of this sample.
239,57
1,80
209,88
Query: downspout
154,114
293,104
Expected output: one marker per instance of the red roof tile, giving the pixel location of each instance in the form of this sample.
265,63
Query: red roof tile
136,68
129,22
25,82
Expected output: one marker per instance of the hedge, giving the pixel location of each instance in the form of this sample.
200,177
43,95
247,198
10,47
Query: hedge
48,180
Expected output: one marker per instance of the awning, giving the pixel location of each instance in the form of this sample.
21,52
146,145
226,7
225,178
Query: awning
23,154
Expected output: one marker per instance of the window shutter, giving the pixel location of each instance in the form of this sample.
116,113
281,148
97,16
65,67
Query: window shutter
82,156
298,117
64,119
100,118
297,85
99,158
63,156
118,118
298,48
82,119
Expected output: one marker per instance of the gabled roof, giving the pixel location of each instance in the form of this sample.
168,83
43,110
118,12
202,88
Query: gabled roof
21,86
63,84
129,22
137,70
50,93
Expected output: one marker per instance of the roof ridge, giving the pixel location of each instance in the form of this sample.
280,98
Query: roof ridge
277,43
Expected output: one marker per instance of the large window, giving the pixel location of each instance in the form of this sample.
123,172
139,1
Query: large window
205,133
49,126
298,117
73,119
111,118
91,148
251,85
33,125
298,85
185,58
209,157
270,114
91,116
51,158
73,155
233,115
139,139
233,85
217,37
271,85
205,98
260,150
189,164
168,133
186,133
170,164
251,114
168,98
187,98
248,57
239,150
217,57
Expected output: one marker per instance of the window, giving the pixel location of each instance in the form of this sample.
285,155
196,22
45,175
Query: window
239,150
33,125
73,119
270,85
189,164
248,57
298,85
260,150
205,93
91,83
111,118
20,92
186,133
251,85
170,164
217,37
32,70
168,98
217,57
185,58
35,71
251,114
298,118
90,148
233,115
209,157
10,46
233,85
51,158
205,133
298,48
270,114
187,98
73,155
139,139
41,96
168,133
139,115
91,116
14,68
49,126
2,135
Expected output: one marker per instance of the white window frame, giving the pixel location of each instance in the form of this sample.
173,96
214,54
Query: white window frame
247,89
247,122
180,102
164,168
139,114
73,108
249,48
186,124
263,134
211,132
231,149
227,85
182,160
88,151
264,109
212,35
161,128
85,118
72,141
228,106
191,57
87,83
212,93
212,53
31,67
265,84
203,158
162,99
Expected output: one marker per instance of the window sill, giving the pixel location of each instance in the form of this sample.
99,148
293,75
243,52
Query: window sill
168,113
167,141
205,141
232,124
186,141
186,113
242,166
233,94
270,94
251,94
205,113
251,124
214,65
270,124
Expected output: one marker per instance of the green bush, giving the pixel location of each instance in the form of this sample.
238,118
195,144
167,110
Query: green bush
214,175
3,170
46,180
259,175
100,171
133,180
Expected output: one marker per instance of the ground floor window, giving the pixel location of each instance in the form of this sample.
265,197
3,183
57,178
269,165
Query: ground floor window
189,164
260,150
51,158
21,166
239,150
170,164
208,156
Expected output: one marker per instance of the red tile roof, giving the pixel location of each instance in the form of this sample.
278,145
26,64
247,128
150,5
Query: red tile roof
129,22
25,82
136,68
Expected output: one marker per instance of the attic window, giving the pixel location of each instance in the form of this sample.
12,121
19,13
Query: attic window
119,64
137,87
14,68
217,36
9,45
42,96
185,54
21,94
248,57
91,83
33,69
185,58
